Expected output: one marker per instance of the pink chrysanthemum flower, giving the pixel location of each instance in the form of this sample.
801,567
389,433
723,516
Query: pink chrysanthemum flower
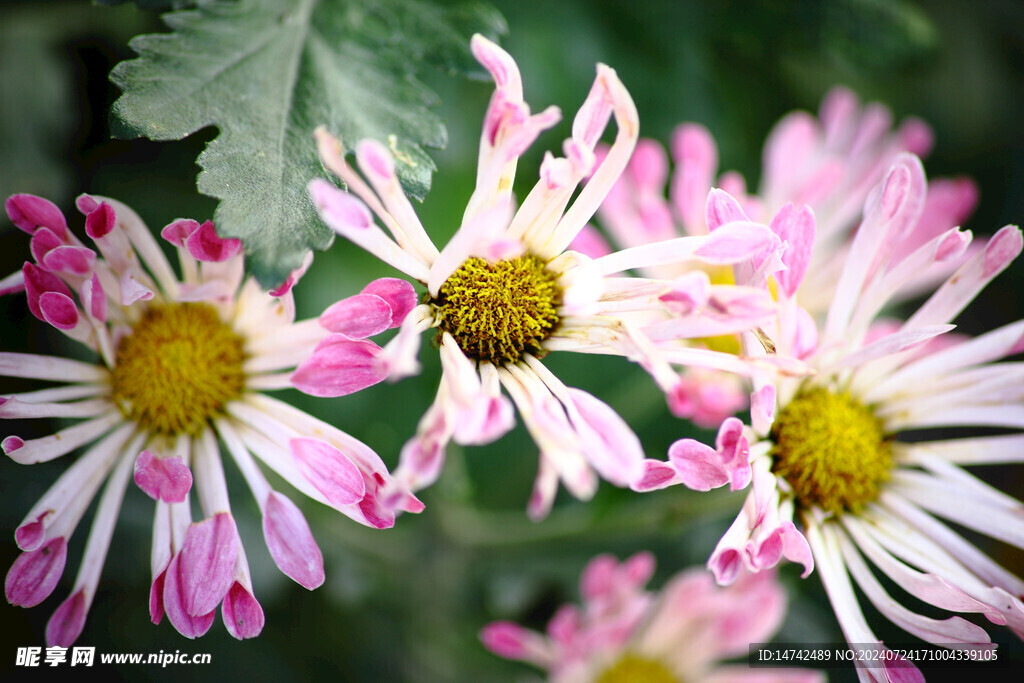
183,362
828,163
504,292
841,472
625,634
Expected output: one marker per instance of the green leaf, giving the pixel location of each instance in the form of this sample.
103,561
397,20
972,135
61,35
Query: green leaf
267,72
150,4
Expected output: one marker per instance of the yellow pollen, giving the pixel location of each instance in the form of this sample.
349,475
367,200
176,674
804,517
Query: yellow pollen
832,450
499,311
634,669
178,368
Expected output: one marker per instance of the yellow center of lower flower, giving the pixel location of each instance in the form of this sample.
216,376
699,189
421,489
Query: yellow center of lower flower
178,368
634,669
499,311
831,449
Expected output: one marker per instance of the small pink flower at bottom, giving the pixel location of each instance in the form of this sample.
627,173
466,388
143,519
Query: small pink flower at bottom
623,633
183,362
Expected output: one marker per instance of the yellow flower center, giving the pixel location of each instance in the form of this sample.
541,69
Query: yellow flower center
499,311
178,368
633,669
832,450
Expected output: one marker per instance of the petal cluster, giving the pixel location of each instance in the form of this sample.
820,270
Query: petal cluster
98,295
600,309
825,166
915,376
686,630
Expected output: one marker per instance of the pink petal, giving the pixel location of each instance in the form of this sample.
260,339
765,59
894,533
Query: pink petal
902,670
895,190
163,478
100,220
327,468
38,282
156,597
94,298
696,158
485,421
399,294
750,612
606,440
593,116
180,230
599,576
689,292
506,639
590,242
795,227
1003,247
66,624
11,444
293,277
380,514
13,283
29,212
205,245
174,602
953,246
726,565
737,241
30,535
59,310
734,451
783,541
132,290
43,242
359,316
339,208
698,465
762,408
339,366
657,475
722,208
291,543
789,150
649,165
35,574
242,613
566,625
916,136
70,259
639,568
424,453
206,563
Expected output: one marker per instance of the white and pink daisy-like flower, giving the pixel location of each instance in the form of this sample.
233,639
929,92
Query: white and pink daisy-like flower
504,292
182,362
828,163
844,469
622,633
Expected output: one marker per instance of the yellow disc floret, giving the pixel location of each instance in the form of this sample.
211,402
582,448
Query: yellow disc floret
499,311
633,669
178,368
831,449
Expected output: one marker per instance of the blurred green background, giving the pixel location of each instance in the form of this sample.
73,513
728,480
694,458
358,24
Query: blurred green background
406,604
